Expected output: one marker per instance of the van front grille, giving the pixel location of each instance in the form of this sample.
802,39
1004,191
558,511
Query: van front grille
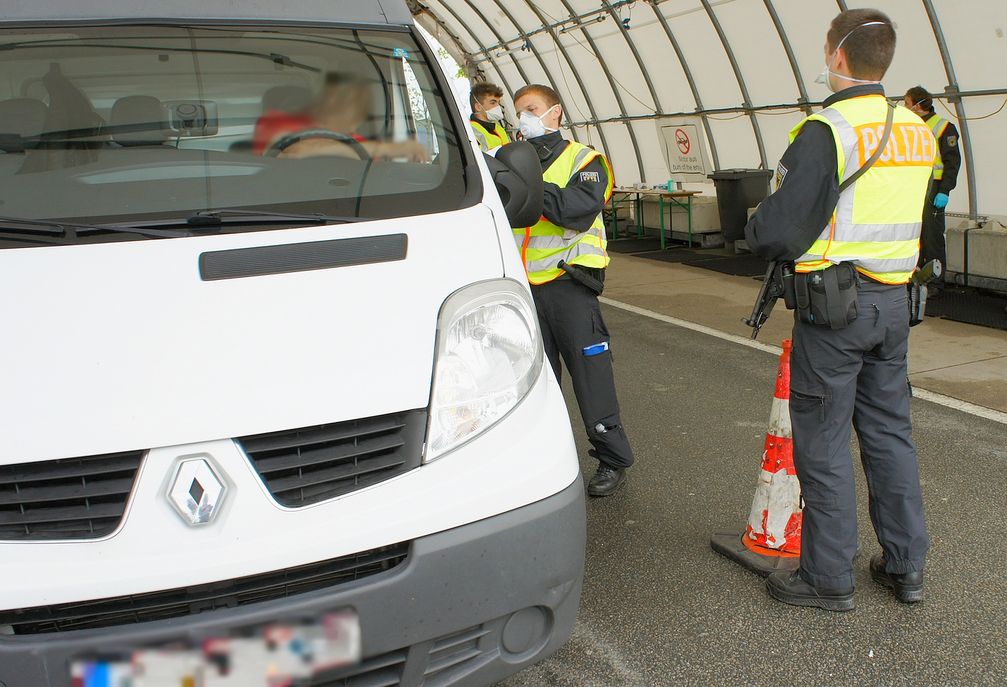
451,655
311,464
70,498
447,659
187,601
379,671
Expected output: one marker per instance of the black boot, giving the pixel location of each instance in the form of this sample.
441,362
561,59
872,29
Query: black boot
606,480
907,587
790,588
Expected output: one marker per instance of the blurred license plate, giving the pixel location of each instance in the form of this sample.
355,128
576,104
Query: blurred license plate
272,656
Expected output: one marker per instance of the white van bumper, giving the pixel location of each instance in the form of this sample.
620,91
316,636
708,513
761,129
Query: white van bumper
467,606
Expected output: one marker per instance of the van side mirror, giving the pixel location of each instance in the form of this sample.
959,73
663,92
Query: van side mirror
517,174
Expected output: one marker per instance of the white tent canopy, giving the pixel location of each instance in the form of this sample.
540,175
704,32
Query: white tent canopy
746,68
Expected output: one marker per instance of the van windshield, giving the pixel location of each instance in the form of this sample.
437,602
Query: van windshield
112,125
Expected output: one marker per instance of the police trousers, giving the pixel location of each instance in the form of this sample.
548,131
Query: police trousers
856,375
933,244
571,323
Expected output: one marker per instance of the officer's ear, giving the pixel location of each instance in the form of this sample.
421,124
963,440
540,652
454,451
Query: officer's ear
840,64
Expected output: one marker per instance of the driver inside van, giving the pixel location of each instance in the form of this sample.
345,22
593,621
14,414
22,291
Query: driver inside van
329,125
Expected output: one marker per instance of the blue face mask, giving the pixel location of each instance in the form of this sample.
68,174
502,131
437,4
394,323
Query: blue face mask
824,79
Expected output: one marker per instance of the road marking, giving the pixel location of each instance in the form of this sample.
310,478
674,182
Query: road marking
702,329
958,404
918,392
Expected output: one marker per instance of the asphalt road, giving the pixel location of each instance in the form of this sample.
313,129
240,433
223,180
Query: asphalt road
660,608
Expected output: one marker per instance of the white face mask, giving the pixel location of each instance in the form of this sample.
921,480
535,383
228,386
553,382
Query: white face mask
824,79
495,114
532,126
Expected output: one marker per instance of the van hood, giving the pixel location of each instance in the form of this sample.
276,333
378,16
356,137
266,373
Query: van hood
123,346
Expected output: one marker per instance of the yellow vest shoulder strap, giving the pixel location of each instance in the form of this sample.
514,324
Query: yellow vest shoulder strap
574,158
501,133
938,125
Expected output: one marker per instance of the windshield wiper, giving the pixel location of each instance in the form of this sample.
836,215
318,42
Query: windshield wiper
70,230
216,218
35,226
54,231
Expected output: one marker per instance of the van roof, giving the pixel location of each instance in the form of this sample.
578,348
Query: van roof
301,11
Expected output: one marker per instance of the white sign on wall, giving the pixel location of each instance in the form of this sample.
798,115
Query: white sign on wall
684,149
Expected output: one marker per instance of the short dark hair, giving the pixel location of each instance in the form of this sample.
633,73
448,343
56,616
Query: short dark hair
921,96
869,49
345,79
482,90
549,94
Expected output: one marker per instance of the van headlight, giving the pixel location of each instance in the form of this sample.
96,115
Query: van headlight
489,354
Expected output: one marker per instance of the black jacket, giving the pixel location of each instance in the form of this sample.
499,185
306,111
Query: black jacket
792,218
951,154
576,206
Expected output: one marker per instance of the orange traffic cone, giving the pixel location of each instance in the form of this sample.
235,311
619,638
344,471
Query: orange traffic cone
772,539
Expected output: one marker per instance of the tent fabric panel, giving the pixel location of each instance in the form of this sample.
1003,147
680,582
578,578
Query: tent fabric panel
522,13
977,39
653,154
622,64
620,154
590,70
572,90
776,127
917,58
444,27
710,65
805,24
669,74
735,141
989,148
763,62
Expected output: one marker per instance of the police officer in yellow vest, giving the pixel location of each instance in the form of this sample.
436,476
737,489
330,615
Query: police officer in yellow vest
578,183
487,119
949,161
854,251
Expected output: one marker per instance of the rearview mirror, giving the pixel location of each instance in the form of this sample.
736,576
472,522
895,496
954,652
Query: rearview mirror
517,175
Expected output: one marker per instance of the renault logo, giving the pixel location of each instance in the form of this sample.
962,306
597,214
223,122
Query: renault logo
196,492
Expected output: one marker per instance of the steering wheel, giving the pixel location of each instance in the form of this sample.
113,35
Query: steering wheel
285,142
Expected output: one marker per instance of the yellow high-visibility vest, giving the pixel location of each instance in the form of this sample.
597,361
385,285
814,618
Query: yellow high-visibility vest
489,140
545,244
876,223
938,124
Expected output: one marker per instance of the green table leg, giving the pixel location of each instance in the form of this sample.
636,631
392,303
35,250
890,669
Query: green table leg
660,199
687,206
615,216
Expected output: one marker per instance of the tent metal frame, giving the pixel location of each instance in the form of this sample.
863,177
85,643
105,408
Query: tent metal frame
615,92
609,9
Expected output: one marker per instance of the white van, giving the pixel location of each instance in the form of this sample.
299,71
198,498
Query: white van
269,355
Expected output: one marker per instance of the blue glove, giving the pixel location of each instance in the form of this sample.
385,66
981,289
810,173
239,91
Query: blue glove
941,201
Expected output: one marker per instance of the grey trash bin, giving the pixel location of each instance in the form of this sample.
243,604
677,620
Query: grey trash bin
738,190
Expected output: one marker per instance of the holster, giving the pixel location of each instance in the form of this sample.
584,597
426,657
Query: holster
591,278
917,302
788,277
828,297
